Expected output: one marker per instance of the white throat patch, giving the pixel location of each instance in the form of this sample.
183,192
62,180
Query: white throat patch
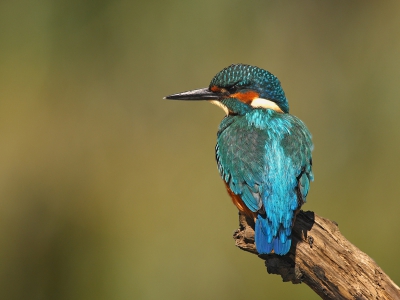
219,104
264,103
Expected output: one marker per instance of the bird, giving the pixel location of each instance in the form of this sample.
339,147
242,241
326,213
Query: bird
263,153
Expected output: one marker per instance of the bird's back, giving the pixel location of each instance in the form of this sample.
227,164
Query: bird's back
265,159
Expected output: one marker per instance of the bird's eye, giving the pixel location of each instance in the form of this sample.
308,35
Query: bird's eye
233,88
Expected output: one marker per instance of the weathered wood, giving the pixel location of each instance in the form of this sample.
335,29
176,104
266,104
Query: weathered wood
322,258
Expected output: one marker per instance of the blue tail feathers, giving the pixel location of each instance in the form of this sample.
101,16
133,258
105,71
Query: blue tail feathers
266,241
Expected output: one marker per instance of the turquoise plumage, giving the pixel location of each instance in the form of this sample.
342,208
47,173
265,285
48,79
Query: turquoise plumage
263,153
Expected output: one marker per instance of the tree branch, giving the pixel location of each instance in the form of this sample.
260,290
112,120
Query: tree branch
322,258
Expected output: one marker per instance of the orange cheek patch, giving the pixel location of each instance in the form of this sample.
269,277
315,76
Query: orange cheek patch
245,97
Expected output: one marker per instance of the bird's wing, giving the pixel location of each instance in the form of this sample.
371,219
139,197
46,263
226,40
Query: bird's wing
241,163
297,146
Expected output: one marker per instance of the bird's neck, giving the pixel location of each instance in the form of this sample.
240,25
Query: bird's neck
259,118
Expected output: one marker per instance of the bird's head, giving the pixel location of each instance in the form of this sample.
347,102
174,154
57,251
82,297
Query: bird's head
239,89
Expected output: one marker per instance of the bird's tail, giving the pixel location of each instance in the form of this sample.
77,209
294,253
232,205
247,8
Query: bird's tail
266,241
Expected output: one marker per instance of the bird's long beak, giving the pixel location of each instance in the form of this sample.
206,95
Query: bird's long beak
199,94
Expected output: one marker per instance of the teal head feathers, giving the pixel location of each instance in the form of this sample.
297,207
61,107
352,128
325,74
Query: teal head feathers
240,88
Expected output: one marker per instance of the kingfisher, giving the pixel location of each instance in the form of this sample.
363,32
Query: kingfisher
263,153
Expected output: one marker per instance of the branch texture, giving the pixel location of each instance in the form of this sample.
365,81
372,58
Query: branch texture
322,258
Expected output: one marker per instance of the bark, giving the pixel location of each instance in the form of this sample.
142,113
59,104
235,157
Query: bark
323,259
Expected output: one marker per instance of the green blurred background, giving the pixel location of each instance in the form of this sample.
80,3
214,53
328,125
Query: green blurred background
107,191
